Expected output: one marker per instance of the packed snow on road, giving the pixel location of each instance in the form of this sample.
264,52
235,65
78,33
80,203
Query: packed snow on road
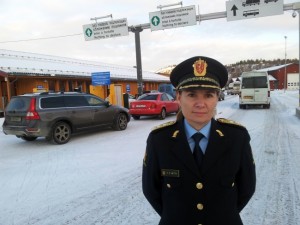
95,179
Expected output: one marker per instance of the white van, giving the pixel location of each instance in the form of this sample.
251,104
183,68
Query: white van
255,89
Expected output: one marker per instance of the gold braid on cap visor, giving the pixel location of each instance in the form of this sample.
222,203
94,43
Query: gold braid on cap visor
182,84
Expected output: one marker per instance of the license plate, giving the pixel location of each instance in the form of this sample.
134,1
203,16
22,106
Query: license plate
248,97
140,106
15,119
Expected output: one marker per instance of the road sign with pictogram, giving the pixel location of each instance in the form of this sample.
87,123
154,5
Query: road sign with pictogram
246,9
172,18
106,29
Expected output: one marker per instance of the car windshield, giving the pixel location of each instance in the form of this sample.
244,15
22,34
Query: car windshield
147,97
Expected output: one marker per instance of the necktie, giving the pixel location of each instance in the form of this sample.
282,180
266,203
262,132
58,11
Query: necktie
198,154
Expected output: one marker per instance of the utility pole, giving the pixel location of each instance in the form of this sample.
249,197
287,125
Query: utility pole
285,78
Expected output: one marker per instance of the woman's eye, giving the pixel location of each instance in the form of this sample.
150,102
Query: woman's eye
191,95
209,95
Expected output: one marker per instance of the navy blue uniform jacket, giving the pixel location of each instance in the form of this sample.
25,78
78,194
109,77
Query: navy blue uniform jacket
184,195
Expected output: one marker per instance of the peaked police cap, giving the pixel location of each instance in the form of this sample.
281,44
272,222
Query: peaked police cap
199,72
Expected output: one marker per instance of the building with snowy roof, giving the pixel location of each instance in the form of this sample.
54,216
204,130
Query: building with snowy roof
283,76
23,72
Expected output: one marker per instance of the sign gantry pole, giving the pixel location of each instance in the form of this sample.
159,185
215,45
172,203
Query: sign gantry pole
137,30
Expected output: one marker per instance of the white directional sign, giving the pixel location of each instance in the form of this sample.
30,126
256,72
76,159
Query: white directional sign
172,18
106,29
246,9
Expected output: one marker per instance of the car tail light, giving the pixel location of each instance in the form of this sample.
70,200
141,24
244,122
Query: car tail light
32,114
152,106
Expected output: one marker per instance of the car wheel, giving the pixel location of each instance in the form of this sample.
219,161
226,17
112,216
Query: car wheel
120,122
162,114
136,117
61,133
26,138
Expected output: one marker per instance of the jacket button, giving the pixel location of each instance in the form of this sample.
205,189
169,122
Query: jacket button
199,206
199,186
169,185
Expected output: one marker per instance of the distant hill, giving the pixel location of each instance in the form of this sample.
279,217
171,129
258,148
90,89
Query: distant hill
236,69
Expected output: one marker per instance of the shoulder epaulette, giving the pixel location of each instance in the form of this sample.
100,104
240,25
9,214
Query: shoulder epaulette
161,126
230,122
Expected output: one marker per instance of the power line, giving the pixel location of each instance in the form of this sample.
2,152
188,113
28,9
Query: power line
38,39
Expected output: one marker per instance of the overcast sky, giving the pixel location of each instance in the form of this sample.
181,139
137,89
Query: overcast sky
228,42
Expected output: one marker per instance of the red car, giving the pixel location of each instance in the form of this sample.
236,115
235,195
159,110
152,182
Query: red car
149,104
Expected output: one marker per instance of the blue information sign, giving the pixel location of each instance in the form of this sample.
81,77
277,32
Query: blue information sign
127,87
100,78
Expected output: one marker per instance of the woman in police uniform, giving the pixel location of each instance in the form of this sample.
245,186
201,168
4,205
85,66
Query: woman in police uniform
190,182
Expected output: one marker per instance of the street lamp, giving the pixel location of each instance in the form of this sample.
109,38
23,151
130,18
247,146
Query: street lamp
285,37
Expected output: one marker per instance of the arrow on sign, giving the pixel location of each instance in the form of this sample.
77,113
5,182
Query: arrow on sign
88,32
234,8
155,20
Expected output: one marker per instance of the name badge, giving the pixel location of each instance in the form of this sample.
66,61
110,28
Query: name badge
169,173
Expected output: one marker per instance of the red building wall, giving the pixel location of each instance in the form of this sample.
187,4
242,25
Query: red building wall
279,75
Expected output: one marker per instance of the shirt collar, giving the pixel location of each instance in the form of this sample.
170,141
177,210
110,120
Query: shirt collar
190,131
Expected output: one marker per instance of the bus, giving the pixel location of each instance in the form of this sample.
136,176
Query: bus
255,89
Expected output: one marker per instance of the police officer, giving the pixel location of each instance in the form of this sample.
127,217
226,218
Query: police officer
190,181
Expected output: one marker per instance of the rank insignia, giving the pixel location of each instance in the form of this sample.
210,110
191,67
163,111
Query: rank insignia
220,133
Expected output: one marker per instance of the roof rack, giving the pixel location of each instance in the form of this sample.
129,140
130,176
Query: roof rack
44,93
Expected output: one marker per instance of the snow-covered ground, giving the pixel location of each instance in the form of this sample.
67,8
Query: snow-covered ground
95,179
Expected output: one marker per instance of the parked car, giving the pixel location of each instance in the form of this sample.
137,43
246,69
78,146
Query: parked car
57,116
150,104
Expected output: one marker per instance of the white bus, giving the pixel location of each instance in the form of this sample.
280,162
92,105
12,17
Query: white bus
255,89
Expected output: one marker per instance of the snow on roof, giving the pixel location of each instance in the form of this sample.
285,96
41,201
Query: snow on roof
271,78
273,68
31,63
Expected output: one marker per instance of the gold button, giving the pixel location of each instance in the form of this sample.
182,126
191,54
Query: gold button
199,185
199,206
232,184
169,185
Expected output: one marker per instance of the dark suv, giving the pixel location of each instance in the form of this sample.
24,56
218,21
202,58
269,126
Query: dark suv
57,115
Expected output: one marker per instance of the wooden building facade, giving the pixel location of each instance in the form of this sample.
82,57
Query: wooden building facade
26,73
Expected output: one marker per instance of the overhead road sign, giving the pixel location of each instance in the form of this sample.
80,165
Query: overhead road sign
100,78
105,29
246,9
172,18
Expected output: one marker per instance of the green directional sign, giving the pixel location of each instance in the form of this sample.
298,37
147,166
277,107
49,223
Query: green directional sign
155,21
105,29
172,18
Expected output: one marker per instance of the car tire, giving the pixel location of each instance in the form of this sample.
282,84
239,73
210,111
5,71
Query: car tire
162,114
120,122
26,138
136,117
61,133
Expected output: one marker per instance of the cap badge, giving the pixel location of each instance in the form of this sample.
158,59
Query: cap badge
200,67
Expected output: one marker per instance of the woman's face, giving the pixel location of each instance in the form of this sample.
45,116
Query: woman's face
198,106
